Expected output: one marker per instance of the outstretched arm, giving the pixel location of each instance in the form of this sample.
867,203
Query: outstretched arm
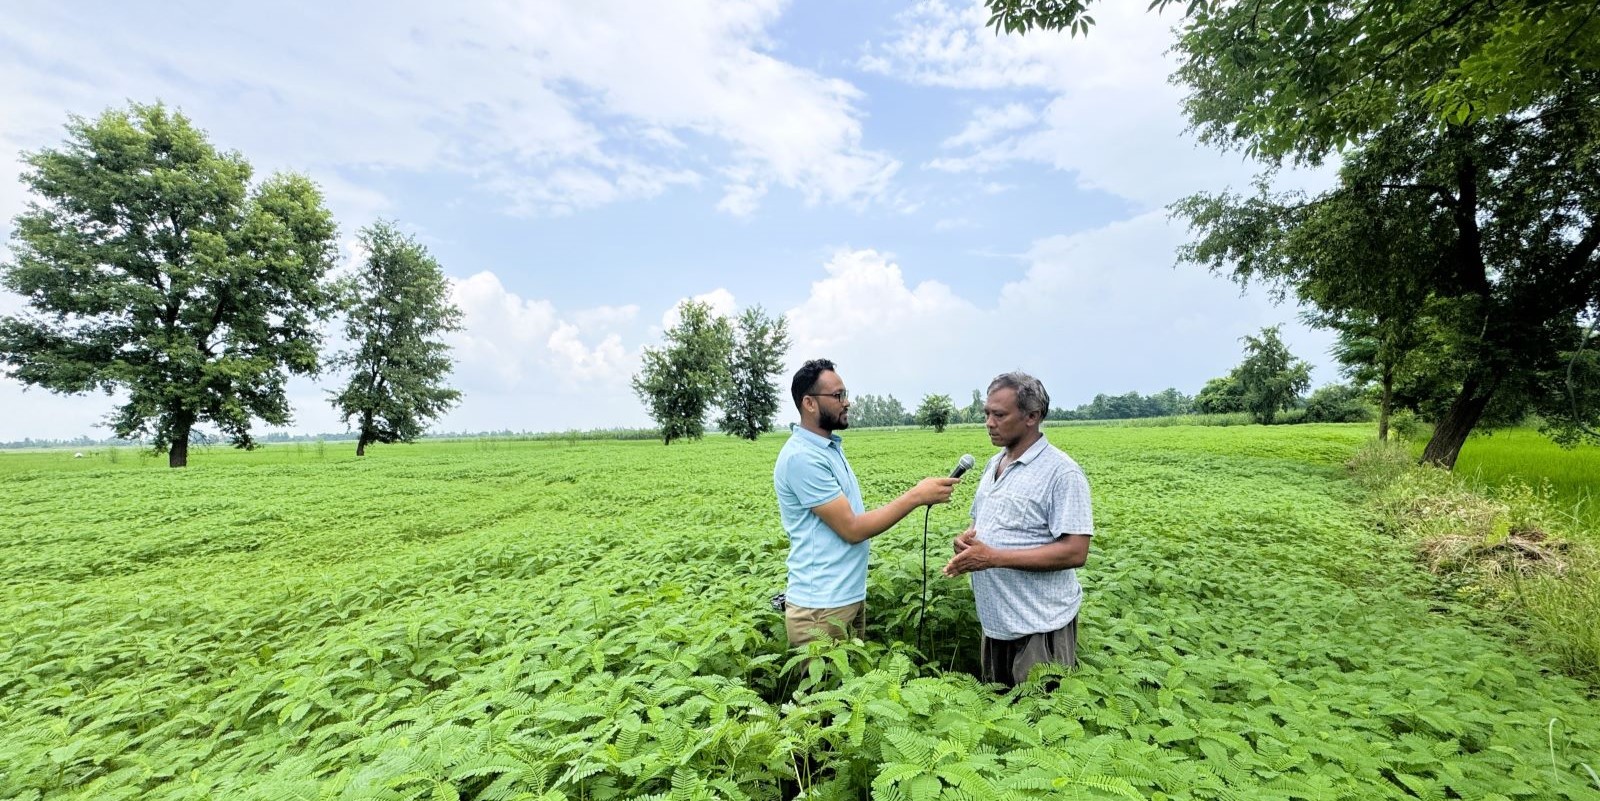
854,528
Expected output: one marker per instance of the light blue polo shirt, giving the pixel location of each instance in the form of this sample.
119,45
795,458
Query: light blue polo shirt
824,570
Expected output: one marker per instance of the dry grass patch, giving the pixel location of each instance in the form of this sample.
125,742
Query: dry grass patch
1510,546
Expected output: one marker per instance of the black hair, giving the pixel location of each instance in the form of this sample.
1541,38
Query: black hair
805,379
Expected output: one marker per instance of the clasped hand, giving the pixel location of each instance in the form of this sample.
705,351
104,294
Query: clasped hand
971,555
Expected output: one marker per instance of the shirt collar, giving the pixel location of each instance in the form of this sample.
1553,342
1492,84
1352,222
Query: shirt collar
1033,450
810,438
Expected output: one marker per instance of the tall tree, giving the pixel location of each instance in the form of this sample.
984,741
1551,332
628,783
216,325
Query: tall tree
935,411
1394,353
149,265
864,410
1270,378
751,400
1495,228
398,307
894,412
680,381
974,411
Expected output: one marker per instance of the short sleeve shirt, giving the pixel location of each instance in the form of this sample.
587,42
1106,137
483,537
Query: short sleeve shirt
1041,496
824,570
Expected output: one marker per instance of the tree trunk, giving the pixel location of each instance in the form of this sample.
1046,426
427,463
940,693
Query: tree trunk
1452,430
178,453
366,433
1386,405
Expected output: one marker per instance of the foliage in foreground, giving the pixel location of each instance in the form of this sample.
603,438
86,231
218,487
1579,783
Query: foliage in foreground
523,622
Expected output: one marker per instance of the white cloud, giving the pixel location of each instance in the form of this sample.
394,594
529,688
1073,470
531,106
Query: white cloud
720,300
1100,311
508,342
742,193
1112,299
865,316
573,105
988,123
954,224
1110,117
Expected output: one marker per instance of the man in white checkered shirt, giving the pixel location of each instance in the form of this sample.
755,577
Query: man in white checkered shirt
1031,524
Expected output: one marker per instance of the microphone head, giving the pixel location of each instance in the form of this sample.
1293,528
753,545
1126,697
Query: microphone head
963,465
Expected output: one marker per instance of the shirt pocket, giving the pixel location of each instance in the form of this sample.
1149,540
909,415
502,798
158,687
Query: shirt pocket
1013,520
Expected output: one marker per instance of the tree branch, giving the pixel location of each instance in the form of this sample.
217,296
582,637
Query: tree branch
1446,199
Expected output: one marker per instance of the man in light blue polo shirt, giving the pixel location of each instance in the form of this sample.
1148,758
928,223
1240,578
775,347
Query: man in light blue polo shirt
820,503
1031,524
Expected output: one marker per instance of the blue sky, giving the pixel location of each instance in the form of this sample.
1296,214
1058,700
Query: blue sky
930,204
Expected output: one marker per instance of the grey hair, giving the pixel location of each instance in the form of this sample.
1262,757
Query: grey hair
1031,396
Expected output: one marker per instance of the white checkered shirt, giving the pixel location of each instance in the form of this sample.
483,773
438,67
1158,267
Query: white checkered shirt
1041,496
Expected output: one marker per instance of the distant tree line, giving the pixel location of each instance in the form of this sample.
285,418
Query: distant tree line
1267,382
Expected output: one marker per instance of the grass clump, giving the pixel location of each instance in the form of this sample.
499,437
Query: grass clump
1508,546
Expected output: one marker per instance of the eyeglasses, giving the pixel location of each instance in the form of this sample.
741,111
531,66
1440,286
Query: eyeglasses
840,396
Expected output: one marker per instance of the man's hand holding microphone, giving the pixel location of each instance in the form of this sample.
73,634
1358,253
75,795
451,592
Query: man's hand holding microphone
935,490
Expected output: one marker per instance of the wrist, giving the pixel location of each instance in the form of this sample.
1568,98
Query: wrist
999,558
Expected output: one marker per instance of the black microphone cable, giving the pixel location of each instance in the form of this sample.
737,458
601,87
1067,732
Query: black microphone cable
922,618
964,464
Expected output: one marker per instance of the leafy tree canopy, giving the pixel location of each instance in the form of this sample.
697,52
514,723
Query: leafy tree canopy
399,306
935,411
751,400
1302,77
1468,255
681,380
150,265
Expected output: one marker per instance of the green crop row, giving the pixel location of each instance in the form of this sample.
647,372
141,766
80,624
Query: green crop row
587,620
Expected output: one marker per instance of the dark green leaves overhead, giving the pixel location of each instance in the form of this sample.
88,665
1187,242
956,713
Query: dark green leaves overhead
1299,78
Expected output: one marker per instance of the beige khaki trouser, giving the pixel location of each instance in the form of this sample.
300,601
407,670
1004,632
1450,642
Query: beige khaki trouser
805,624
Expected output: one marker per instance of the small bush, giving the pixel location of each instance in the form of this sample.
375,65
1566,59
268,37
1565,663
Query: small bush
1337,403
1405,425
1379,463
1290,417
1561,612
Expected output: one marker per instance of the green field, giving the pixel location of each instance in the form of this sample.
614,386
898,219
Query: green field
587,621
1530,457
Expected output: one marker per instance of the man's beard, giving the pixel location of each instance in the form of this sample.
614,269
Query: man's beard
829,421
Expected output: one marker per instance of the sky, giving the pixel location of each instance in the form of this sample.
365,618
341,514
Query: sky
928,203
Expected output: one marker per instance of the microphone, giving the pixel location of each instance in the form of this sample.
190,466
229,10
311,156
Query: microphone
962,466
